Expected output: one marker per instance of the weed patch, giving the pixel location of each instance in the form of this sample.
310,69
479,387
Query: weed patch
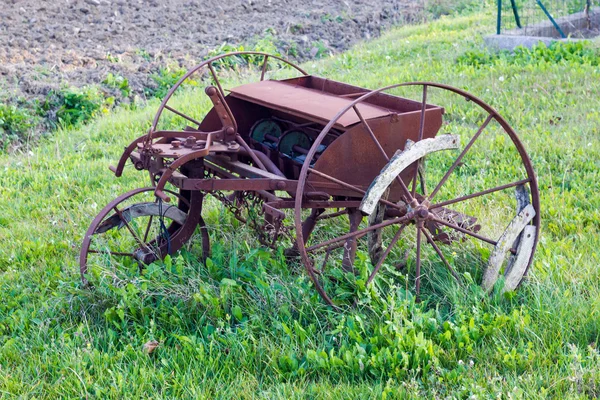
581,52
15,124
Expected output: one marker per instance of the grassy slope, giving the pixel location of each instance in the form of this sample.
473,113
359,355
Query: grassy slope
59,341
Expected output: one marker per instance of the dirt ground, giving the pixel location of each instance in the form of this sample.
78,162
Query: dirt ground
48,44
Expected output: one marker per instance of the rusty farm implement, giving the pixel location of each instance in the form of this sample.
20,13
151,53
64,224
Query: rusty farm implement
354,182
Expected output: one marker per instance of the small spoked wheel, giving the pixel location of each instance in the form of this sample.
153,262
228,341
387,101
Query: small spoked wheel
137,229
441,211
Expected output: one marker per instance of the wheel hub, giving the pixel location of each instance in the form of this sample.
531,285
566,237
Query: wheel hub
419,212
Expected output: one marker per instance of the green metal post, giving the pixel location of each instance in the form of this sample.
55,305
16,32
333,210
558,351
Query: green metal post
562,34
513,3
499,19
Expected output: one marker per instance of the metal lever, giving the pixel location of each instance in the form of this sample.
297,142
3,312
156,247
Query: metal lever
229,125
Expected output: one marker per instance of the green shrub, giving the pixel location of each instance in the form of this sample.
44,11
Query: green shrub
165,79
320,49
570,52
15,122
118,82
78,106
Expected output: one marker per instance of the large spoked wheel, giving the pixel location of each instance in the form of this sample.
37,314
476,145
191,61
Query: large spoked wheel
137,229
462,206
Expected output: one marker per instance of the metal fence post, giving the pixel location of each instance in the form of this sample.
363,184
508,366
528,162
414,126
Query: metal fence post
562,34
499,19
513,3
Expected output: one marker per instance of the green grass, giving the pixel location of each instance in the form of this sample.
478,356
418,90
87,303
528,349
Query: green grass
248,325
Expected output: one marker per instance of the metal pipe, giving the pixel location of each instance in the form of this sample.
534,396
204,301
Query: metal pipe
562,34
251,154
269,165
513,3
299,149
499,18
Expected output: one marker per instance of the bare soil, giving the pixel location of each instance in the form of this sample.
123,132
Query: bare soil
46,45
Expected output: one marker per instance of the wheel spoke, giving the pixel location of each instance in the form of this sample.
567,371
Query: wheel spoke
423,107
466,231
355,218
478,194
335,180
441,255
372,134
422,179
331,215
135,236
114,253
386,253
174,111
420,137
338,245
327,253
460,157
264,68
400,220
352,187
214,76
382,151
418,263
148,228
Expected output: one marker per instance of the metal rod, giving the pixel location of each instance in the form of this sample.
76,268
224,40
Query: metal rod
420,137
114,253
214,75
325,259
439,252
499,18
562,34
357,94
334,180
482,193
253,156
264,68
137,239
423,109
332,215
148,228
358,232
463,230
460,157
355,218
372,134
351,187
182,115
513,4
418,263
385,254
337,246
383,153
